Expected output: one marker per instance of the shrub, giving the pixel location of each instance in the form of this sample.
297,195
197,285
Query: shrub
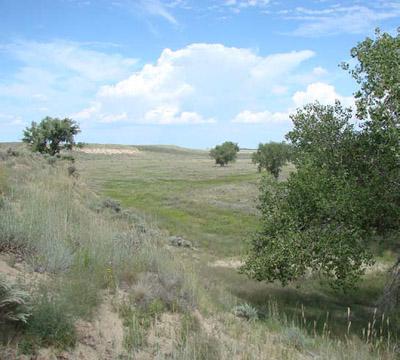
246,311
11,152
111,204
68,158
178,241
71,170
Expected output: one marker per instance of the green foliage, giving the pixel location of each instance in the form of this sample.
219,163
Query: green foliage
14,303
271,157
225,153
346,188
51,135
49,325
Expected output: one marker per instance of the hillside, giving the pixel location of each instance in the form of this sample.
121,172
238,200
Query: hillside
94,247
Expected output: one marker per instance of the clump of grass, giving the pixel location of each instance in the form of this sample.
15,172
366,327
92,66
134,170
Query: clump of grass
14,303
4,178
194,343
138,320
49,324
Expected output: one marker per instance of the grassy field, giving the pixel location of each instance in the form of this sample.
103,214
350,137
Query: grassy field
183,193
88,266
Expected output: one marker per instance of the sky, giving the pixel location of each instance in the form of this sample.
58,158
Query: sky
193,73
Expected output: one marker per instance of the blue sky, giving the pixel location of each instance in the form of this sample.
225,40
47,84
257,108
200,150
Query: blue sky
192,73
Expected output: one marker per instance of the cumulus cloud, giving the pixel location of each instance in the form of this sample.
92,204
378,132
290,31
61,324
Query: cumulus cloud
322,92
264,117
199,84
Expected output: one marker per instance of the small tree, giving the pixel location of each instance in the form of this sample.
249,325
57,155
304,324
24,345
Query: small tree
225,153
271,157
51,135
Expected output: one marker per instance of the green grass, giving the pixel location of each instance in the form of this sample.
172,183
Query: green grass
185,194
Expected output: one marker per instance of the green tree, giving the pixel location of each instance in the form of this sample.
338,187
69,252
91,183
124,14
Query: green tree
346,189
271,157
51,135
225,153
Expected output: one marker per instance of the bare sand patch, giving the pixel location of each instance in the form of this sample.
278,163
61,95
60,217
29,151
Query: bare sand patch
227,263
109,151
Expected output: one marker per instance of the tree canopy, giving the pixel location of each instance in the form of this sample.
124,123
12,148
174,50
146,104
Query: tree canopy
51,135
271,157
225,153
346,189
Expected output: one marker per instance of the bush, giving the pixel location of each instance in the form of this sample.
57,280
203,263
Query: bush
68,158
246,311
11,152
178,241
71,170
111,204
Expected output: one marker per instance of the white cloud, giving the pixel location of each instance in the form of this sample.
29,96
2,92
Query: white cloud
322,92
150,8
64,76
40,97
333,20
240,4
17,122
319,71
263,117
170,115
79,58
197,85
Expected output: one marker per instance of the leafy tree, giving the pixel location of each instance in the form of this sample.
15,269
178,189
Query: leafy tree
346,190
271,157
225,153
51,135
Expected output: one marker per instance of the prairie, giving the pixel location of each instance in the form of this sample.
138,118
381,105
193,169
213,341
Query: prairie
90,248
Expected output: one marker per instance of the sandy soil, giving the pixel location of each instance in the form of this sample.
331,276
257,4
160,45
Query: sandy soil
108,151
